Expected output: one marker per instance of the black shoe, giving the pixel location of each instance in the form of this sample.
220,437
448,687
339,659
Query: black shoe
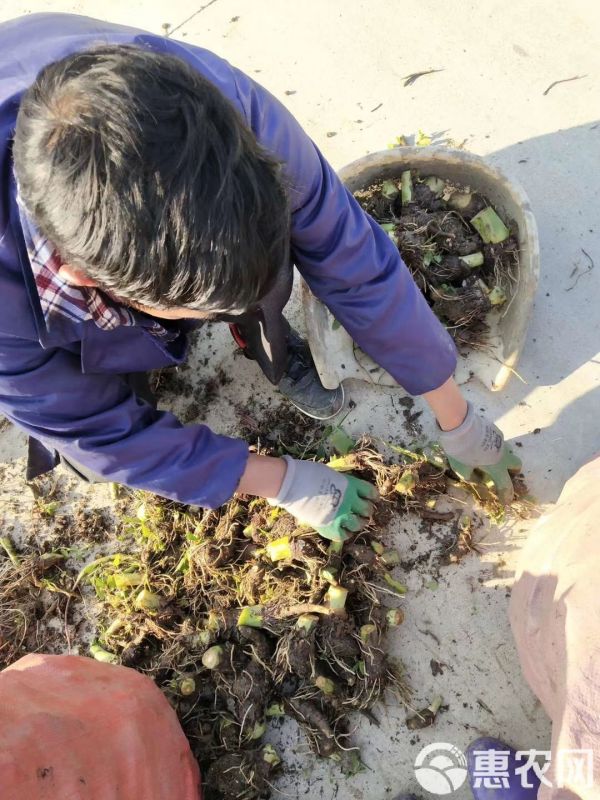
302,386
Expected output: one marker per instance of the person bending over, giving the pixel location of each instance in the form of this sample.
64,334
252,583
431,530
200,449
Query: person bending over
149,186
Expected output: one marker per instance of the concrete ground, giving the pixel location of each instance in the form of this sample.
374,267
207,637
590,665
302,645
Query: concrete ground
339,67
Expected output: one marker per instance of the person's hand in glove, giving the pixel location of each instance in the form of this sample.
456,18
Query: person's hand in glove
478,444
472,442
335,505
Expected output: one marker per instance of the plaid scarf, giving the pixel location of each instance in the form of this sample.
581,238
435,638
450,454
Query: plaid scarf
76,303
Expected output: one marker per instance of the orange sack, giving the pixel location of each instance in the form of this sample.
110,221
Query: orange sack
75,729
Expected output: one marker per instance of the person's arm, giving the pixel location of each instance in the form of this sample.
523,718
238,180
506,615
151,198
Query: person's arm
448,405
351,264
262,476
96,421
348,261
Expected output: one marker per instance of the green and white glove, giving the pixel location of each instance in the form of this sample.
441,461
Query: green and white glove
333,504
478,444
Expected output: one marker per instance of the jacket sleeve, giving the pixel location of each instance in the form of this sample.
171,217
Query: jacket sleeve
347,260
97,421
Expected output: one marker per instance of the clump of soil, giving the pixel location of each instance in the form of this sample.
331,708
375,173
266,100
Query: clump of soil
242,616
464,274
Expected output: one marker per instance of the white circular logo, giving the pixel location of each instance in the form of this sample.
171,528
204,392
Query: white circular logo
441,768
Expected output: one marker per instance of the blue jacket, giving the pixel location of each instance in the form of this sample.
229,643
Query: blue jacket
61,382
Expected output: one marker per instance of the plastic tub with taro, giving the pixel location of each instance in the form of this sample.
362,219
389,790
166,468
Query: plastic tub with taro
468,235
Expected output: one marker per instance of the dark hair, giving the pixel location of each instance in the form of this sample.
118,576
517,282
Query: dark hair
142,173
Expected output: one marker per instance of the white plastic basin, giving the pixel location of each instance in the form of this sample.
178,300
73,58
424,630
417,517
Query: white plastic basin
332,347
